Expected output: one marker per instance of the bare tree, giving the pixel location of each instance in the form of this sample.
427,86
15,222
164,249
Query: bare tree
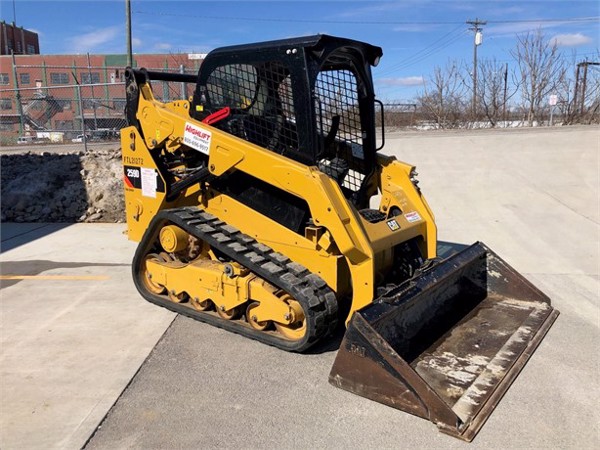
444,98
565,91
494,90
540,71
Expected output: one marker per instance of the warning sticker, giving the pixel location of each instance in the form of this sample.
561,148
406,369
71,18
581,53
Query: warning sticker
148,182
412,216
132,176
196,138
393,225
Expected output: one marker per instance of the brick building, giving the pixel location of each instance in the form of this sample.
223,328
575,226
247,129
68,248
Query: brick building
58,92
18,40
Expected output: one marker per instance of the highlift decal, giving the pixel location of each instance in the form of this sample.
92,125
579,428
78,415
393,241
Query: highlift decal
196,138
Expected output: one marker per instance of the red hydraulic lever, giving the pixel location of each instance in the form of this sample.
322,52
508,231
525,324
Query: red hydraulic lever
217,116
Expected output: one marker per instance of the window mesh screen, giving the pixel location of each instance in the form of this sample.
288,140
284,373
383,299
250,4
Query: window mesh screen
233,85
261,102
338,122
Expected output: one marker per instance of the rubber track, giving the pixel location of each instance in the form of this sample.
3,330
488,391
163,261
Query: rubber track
317,299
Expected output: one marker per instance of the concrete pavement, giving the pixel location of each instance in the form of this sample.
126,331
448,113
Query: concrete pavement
73,333
531,195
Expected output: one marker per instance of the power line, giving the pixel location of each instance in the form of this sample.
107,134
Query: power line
572,19
363,22
560,56
444,42
429,53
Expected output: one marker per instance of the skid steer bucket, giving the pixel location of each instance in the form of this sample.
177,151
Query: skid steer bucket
447,344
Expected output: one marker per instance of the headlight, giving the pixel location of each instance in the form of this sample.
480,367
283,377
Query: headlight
413,179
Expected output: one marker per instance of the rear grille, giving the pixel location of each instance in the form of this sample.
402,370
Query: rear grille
373,215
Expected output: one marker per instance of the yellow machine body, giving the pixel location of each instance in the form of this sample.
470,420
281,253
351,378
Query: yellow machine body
341,247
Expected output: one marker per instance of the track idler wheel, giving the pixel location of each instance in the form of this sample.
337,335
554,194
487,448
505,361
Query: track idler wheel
230,314
251,318
177,298
146,276
201,305
296,329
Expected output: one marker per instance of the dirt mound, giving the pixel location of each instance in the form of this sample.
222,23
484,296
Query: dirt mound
71,187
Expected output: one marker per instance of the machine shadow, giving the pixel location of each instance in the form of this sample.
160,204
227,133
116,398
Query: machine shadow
16,234
332,344
39,191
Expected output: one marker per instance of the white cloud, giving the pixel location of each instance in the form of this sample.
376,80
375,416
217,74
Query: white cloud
136,42
95,40
513,29
570,40
163,46
401,81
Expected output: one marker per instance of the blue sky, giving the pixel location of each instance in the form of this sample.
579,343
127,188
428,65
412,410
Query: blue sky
415,35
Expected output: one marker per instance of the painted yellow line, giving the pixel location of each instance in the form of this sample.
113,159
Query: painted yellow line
54,277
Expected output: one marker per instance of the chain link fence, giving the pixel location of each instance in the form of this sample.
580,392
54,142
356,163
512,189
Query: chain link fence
62,104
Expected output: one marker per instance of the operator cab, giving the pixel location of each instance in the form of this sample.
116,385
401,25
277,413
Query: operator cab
310,99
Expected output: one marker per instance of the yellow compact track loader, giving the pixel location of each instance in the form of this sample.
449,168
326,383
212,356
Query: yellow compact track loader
251,202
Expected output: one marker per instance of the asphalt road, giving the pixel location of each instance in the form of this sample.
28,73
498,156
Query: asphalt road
70,348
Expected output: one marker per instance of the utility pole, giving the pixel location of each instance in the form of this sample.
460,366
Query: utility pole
93,96
18,96
504,100
128,32
476,43
575,94
583,87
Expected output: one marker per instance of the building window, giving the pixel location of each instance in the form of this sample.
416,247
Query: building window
31,50
90,78
59,78
5,103
64,104
64,125
119,104
19,48
89,103
4,78
117,76
24,78
34,104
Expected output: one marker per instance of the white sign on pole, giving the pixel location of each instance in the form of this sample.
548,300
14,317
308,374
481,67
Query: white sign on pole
553,100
